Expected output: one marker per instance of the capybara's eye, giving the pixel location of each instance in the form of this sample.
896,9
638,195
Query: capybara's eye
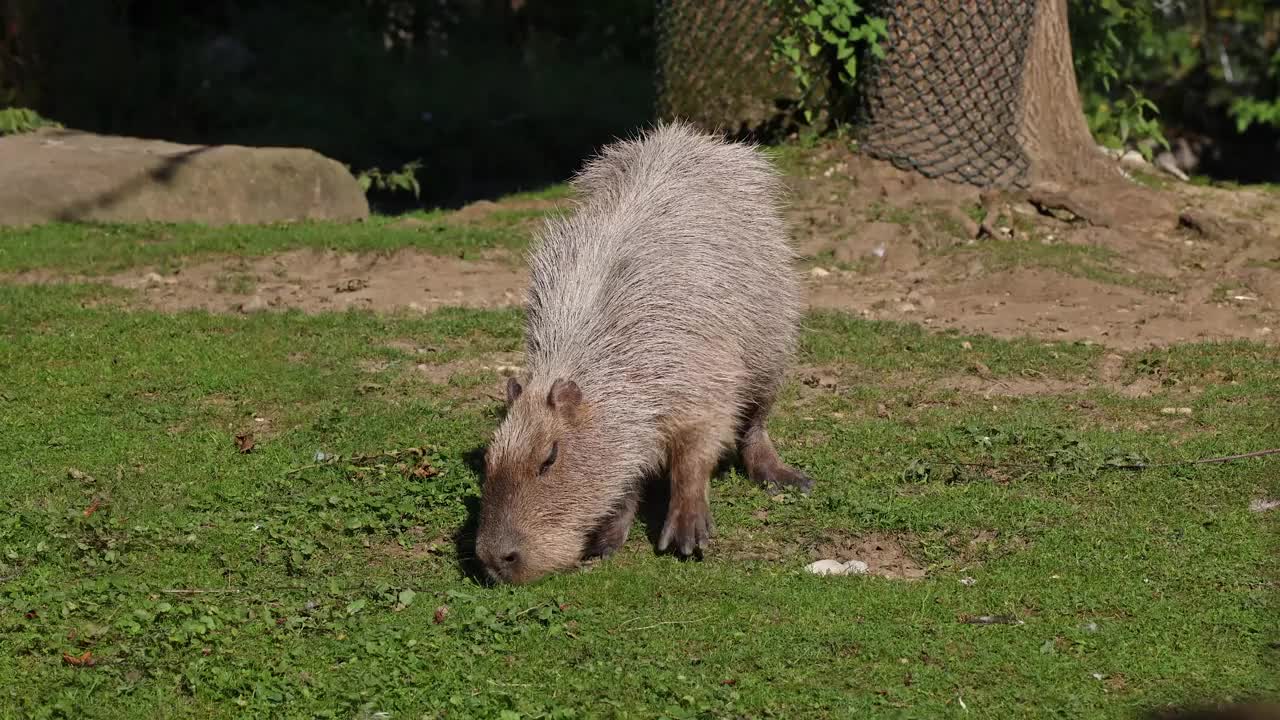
551,458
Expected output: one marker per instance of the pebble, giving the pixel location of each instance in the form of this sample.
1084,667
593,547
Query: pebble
819,272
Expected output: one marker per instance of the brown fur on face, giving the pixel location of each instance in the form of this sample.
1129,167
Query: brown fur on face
537,507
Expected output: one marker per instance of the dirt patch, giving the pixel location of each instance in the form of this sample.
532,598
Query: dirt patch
320,281
413,544
894,246
885,554
1013,387
1110,375
442,373
880,243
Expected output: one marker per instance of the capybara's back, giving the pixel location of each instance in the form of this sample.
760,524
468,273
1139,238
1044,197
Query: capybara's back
661,318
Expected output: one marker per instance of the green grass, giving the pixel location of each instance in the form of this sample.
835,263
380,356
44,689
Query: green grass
322,583
95,249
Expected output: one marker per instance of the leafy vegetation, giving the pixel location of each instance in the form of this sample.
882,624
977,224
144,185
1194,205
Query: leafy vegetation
821,44
403,180
22,120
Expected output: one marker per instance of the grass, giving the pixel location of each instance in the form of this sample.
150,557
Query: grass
149,568
333,588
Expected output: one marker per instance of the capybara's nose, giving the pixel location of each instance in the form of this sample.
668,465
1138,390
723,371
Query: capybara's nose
501,559
511,559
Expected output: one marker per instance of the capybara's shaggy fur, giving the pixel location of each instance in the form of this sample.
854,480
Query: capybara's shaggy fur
661,317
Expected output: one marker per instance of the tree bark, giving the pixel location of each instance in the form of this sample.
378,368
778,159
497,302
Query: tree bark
1052,128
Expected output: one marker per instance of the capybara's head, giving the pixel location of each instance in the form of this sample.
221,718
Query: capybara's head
540,500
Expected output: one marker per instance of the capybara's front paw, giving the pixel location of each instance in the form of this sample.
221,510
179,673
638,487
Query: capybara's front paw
688,529
783,478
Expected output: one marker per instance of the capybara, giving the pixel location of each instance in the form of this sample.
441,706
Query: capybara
661,316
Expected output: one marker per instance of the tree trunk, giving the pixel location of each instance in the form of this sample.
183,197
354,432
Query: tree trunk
984,92
1052,126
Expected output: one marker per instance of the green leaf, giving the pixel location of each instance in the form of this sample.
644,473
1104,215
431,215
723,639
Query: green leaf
814,49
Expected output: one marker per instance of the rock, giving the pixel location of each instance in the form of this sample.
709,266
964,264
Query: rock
855,567
826,567
835,567
257,303
70,176
1133,160
819,272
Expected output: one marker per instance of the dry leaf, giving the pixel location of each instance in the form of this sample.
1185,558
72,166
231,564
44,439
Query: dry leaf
244,442
423,470
442,612
83,660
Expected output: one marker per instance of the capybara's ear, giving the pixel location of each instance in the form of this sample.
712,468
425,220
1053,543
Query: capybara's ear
565,396
513,390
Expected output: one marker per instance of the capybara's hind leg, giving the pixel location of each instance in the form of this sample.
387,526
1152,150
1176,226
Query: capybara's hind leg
761,459
695,451
612,534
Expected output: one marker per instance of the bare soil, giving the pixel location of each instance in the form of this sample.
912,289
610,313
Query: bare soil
880,243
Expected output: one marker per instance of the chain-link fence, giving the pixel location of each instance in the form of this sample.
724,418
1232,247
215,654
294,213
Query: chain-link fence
944,100
716,67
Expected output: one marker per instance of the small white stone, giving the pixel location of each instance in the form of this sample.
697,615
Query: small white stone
826,567
1261,505
819,272
855,567
967,581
